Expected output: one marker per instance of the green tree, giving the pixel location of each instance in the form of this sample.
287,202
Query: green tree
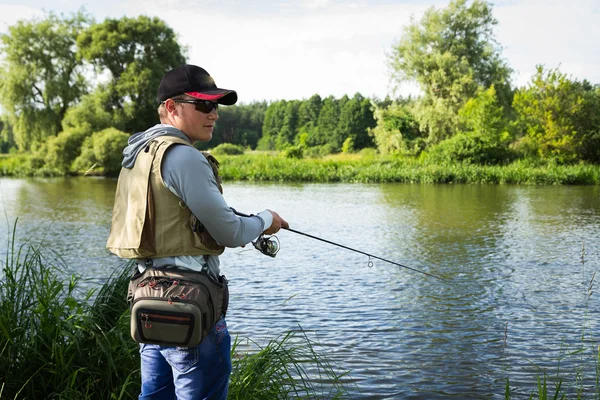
273,123
40,76
104,150
327,123
397,130
290,124
356,118
450,53
557,117
240,124
137,52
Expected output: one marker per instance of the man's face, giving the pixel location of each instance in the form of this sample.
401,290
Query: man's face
197,125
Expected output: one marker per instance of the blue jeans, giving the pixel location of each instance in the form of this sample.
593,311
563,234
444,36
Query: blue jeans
188,373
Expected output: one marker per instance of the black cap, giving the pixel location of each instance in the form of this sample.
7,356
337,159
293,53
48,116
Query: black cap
195,82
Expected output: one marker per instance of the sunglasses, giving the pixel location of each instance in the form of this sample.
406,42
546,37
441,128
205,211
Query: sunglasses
204,106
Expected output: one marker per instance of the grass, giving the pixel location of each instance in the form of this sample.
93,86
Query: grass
59,342
351,168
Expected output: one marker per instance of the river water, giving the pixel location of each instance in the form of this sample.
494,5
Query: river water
520,260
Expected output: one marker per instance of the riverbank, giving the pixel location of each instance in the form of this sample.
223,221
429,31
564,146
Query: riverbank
355,168
361,169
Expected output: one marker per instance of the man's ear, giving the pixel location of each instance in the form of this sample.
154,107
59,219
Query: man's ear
171,107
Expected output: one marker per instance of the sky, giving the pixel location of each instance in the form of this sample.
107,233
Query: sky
271,50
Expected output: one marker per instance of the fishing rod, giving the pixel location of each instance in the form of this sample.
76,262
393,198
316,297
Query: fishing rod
269,245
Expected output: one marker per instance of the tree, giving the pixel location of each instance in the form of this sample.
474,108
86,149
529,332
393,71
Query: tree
450,53
558,118
273,123
40,76
397,130
356,118
289,128
137,53
327,123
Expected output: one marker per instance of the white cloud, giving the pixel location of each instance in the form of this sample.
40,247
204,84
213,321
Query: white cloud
561,34
271,50
10,14
331,50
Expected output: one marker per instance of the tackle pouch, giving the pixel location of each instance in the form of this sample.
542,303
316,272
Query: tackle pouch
175,307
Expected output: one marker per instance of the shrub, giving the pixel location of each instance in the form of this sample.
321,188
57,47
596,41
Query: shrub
104,149
348,146
293,152
471,149
227,149
61,150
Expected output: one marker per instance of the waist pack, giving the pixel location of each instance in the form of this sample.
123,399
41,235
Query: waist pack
175,307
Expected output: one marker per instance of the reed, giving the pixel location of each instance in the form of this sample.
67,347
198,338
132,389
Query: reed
58,341
259,167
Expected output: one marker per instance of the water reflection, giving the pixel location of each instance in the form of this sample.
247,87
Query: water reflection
516,301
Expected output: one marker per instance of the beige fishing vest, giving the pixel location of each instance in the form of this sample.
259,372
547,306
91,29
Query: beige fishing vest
148,220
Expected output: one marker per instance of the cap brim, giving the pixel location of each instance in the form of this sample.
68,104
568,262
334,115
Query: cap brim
221,96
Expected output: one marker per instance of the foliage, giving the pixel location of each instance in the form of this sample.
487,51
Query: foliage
471,148
60,151
56,342
483,115
397,130
356,118
137,52
41,76
240,124
348,146
449,54
293,152
287,367
228,149
558,118
92,113
103,149
381,169
318,151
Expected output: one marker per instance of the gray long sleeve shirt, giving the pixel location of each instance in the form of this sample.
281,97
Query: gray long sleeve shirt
189,176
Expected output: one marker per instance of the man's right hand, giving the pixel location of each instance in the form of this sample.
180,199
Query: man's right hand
276,225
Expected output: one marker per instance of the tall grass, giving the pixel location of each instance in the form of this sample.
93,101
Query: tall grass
363,169
55,342
258,167
59,342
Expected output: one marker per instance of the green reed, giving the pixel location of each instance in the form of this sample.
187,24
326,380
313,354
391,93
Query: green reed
259,167
58,341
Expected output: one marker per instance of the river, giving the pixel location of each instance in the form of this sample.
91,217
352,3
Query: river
520,260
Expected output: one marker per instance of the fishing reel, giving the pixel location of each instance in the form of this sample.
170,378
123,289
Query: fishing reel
268,245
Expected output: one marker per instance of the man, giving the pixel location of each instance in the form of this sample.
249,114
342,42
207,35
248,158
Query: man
169,212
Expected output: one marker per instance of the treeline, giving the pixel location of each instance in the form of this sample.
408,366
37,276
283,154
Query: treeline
72,91
468,111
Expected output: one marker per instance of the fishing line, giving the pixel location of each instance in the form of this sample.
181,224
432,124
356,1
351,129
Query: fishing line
269,245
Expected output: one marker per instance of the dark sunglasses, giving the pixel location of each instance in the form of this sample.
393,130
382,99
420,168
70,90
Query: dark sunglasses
204,106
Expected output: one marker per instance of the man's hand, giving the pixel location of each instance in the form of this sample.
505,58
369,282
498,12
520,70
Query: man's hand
276,225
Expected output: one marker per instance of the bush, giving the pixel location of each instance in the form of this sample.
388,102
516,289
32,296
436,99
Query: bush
293,152
471,149
61,150
348,146
227,149
104,149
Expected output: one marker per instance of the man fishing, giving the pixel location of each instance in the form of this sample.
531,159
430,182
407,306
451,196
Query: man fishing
170,213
